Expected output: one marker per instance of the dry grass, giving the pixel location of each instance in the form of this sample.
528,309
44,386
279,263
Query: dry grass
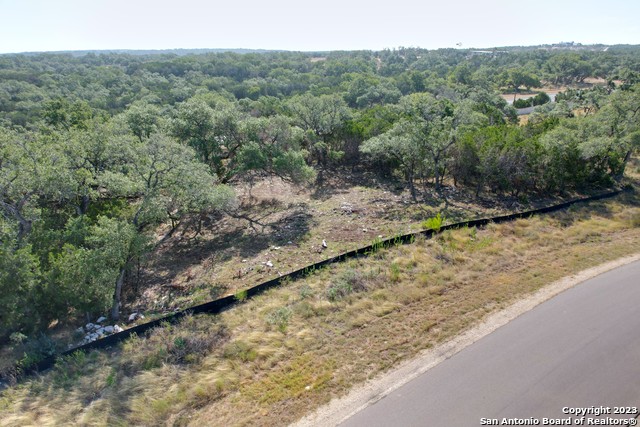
289,226
288,351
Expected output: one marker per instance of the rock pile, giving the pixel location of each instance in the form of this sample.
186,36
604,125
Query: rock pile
95,331
135,316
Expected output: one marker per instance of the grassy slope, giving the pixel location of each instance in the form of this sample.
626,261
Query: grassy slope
276,357
290,223
351,211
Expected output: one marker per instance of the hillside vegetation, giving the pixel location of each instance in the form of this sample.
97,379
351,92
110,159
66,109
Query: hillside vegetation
146,183
276,357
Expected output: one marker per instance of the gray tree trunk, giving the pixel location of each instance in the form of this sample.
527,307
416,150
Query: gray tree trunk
115,309
412,187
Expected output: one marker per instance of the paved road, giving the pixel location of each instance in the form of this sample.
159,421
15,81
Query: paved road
579,349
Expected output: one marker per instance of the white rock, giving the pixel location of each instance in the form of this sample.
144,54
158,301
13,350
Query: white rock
100,331
89,326
133,316
117,328
101,319
324,243
269,264
108,330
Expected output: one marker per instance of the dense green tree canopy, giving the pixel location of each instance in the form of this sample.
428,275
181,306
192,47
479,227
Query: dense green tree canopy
104,155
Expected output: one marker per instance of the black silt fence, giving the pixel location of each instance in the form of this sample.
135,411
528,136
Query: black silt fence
221,304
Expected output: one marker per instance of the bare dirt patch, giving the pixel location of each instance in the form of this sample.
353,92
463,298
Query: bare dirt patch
280,228
551,91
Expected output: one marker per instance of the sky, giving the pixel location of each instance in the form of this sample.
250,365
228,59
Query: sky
53,25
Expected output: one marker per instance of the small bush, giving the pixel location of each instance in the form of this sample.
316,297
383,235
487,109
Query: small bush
241,295
36,350
17,338
354,278
112,378
473,233
280,318
539,99
394,272
339,290
306,291
347,282
376,246
69,368
183,343
434,223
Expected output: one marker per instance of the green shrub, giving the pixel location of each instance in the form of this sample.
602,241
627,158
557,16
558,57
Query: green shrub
394,272
112,378
306,291
17,338
280,318
69,368
376,245
241,295
183,343
339,290
36,350
434,223
348,281
539,99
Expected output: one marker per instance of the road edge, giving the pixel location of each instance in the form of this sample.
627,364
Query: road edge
339,409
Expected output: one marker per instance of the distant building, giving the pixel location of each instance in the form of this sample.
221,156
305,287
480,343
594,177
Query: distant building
487,52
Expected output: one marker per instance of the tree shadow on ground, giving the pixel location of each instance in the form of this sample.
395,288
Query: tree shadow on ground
246,240
599,208
342,180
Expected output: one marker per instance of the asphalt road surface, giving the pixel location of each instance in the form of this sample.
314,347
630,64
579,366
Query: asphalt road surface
580,349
